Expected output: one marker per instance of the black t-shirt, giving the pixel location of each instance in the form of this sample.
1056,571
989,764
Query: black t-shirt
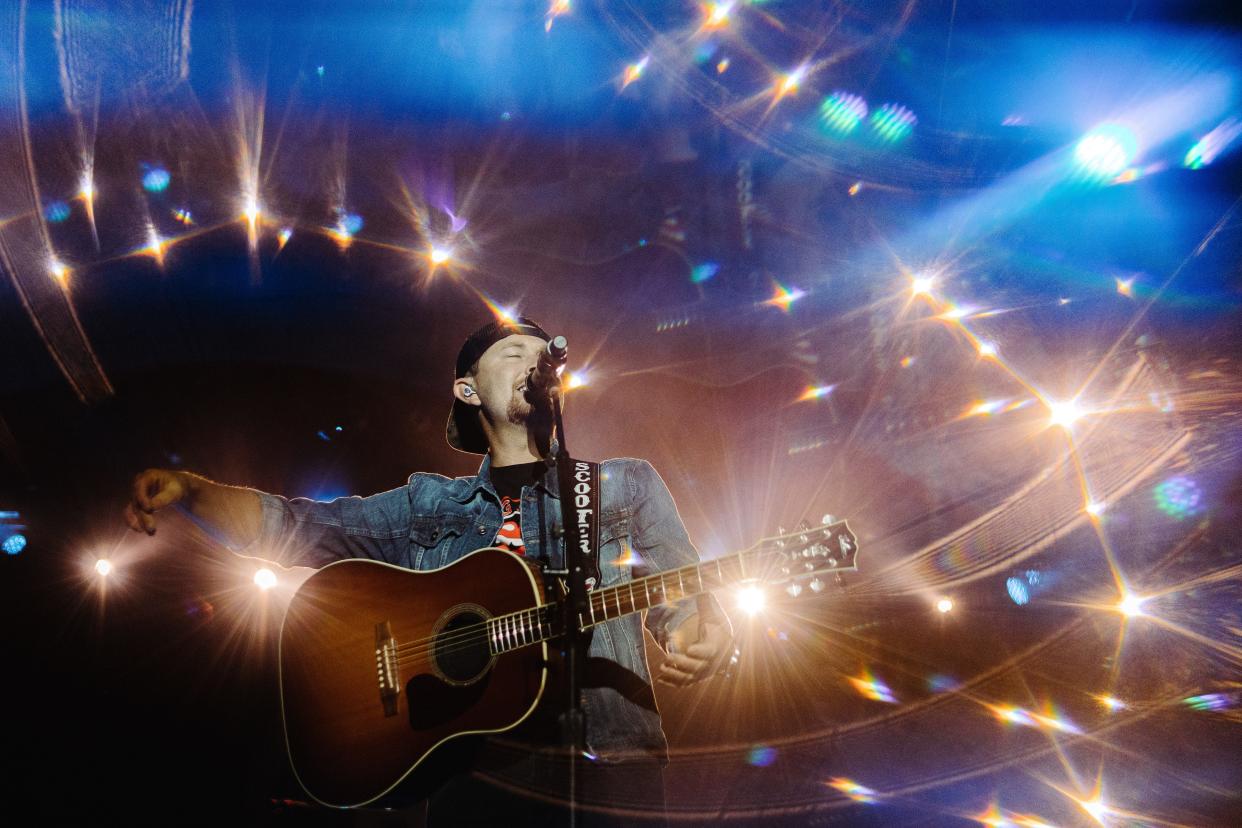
508,482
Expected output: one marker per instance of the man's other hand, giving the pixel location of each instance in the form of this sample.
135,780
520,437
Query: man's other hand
154,489
687,664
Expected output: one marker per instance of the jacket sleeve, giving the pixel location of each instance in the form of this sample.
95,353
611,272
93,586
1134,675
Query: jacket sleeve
660,538
302,532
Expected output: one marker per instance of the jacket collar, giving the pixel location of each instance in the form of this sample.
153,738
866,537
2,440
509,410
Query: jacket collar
468,487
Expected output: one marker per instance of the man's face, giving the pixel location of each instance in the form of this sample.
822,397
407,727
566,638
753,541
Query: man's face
500,378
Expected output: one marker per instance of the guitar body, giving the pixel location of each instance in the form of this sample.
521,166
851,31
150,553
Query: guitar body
379,665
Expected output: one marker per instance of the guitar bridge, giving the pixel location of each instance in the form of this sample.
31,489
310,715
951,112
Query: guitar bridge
386,670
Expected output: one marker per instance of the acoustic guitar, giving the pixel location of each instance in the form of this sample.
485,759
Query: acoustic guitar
380,665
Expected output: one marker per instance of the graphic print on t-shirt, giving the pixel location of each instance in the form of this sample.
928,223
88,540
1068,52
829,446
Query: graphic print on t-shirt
510,535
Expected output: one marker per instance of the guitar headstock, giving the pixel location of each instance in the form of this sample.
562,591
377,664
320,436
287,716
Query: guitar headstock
799,559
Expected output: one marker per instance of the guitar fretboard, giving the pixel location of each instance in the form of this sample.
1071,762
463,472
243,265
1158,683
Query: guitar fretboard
531,626
802,554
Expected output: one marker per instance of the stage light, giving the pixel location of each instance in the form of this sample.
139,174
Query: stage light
265,579
702,272
1113,704
184,216
944,605
1018,591
761,756
722,66
575,380
986,408
872,688
634,71
921,285
439,255
58,270
1012,715
783,297
1096,508
788,84
1131,605
555,10
282,238
14,544
251,211
103,566
986,349
751,600
717,15
1207,702
1178,497
1064,414
1125,286
86,187
155,245
1095,807
1105,151
816,392
156,180
955,312
56,212
856,792
842,112
1207,148
855,188
893,122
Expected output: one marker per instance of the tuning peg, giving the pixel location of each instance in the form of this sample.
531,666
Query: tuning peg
794,590
816,585
780,537
828,519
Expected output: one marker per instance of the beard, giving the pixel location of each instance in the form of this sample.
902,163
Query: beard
519,411
536,416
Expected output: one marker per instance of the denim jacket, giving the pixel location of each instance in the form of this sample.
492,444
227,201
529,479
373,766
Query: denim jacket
433,520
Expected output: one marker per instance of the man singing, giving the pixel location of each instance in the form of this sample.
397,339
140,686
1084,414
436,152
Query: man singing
512,503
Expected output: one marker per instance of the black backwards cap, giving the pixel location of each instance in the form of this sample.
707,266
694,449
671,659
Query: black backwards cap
464,431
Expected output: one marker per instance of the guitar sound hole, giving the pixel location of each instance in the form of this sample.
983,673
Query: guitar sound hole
461,649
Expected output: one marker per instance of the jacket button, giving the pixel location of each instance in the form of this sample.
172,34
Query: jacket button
482,530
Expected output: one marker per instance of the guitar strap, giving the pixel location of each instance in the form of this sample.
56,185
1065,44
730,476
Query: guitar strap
580,483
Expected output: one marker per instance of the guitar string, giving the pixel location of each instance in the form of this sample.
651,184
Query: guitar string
480,629
605,600
470,635
473,634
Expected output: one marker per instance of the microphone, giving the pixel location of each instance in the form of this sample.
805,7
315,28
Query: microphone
544,379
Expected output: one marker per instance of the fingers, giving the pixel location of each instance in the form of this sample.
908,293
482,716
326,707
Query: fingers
143,483
138,520
680,670
152,489
704,651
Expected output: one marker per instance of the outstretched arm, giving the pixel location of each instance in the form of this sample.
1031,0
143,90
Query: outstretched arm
235,512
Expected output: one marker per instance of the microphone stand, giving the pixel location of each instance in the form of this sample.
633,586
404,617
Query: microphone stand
575,640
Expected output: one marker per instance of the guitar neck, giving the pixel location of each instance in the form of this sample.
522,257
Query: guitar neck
543,623
666,587
800,555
